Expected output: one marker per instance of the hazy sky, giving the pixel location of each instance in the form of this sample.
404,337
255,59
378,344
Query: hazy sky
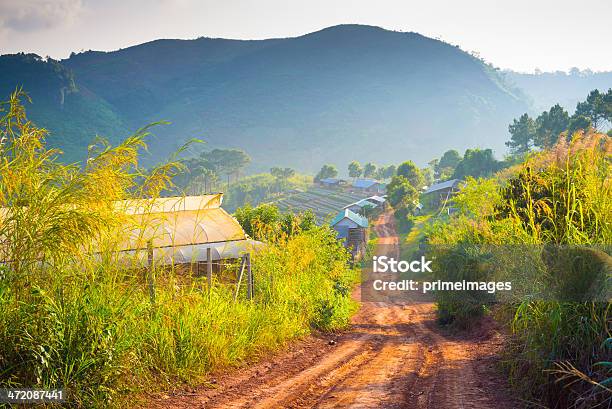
518,34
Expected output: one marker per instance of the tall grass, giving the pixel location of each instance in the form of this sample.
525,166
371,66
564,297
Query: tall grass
549,222
86,323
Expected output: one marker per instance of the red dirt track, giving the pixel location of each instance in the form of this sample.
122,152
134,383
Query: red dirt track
393,356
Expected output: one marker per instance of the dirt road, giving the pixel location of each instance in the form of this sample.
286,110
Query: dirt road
394,356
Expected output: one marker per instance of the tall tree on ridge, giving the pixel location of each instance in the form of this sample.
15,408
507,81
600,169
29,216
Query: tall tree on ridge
369,170
549,126
327,171
447,164
390,171
522,134
355,170
412,173
281,175
597,107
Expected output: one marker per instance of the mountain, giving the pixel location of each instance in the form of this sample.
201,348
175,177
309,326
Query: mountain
346,92
72,113
549,88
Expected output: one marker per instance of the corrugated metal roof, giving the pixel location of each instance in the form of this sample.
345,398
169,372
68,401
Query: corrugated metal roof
331,180
377,199
364,183
346,213
443,185
361,203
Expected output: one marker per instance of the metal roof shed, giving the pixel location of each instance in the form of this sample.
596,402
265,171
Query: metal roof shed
449,184
180,230
360,221
360,205
365,183
376,199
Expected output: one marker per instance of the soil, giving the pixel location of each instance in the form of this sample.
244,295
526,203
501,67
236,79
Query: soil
393,356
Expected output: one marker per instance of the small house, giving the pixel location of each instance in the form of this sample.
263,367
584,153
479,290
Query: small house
362,207
352,228
442,192
331,182
368,186
379,201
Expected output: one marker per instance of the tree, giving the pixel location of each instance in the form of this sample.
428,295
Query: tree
434,163
288,173
259,222
477,163
412,173
401,193
450,159
404,198
354,169
549,125
597,107
577,123
428,176
385,172
369,170
607,105
209,178
266,222
390,171
522,135
226,161
445,167
281,175
327,171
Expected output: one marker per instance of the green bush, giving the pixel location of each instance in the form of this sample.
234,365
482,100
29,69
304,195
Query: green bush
462,262
266,222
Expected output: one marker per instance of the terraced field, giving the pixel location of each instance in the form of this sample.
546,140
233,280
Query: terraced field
325,203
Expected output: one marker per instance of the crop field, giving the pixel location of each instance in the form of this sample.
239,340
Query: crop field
325,203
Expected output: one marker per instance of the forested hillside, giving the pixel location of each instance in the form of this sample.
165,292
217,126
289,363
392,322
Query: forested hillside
333,94
72,113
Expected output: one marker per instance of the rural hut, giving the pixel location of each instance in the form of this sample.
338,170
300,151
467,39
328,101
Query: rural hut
363,207
368,186
379,201
331,182
352,228
440,193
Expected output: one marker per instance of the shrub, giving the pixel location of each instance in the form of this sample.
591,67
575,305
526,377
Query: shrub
266,222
